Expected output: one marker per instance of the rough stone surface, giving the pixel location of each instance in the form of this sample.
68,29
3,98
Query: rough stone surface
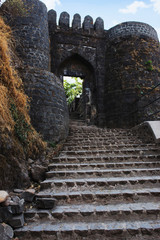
125,103
38,172
49,111
134,29
28,195
6,232
32,35
150,127
88,23
111,62
3,196
16,221
52,19
113,66
106,182
18,190
5,214
45,203
64,20
76,23
99,24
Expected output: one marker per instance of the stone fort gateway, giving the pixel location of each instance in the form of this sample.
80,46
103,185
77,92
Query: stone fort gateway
119,67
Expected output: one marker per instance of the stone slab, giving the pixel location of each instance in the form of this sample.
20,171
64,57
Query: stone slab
154,127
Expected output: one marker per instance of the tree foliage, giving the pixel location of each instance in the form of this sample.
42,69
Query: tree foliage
72,90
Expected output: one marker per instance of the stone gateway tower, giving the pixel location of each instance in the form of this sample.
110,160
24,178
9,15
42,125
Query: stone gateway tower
49,111
117,66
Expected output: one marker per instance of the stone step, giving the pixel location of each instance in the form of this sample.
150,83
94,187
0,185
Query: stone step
114,196
110,138
101,146
100,183
107,142
101,135
105,159
98,131
96,213
139,151
103,173
85,128
120,230
99,165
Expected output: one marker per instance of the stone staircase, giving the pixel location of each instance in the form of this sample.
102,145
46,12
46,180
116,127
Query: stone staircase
107,186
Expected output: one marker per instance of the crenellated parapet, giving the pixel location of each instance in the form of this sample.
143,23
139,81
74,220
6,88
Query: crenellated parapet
76,24
88,25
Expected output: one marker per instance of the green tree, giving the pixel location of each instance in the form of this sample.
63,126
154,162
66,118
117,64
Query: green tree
72,90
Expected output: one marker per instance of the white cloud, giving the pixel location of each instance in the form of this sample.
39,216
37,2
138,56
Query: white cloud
51,4
133,8
156,5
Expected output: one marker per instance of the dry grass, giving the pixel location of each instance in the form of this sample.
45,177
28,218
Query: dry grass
14,104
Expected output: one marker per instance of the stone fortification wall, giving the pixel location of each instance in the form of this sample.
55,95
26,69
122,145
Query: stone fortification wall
113,63
77,49
64,22
118,58
31,33
132,69
132,28
49,112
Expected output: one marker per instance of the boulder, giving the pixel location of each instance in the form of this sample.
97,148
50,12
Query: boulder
17,221
3,196
45,203
28,195
38,173
6,232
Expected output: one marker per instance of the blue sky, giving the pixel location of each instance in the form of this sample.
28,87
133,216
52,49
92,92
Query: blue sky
112,12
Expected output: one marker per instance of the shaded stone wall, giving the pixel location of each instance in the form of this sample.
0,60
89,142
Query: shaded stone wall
113,64
117,61
49,112
128,74
77,47
31,33
132,28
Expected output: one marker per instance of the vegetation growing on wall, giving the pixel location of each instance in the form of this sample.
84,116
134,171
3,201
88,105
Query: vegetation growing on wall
14,104
16,8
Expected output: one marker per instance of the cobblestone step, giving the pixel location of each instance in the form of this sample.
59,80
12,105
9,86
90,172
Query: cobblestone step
107,142
107,186
97,213
100,165
139,194
94,129
103,173
99,183
101,135
139,151
120,230
111,138
101,146
115,158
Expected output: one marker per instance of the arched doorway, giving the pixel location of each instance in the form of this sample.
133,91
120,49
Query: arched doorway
77,66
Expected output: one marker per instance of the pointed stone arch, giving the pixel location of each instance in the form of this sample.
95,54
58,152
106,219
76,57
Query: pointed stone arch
77,66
